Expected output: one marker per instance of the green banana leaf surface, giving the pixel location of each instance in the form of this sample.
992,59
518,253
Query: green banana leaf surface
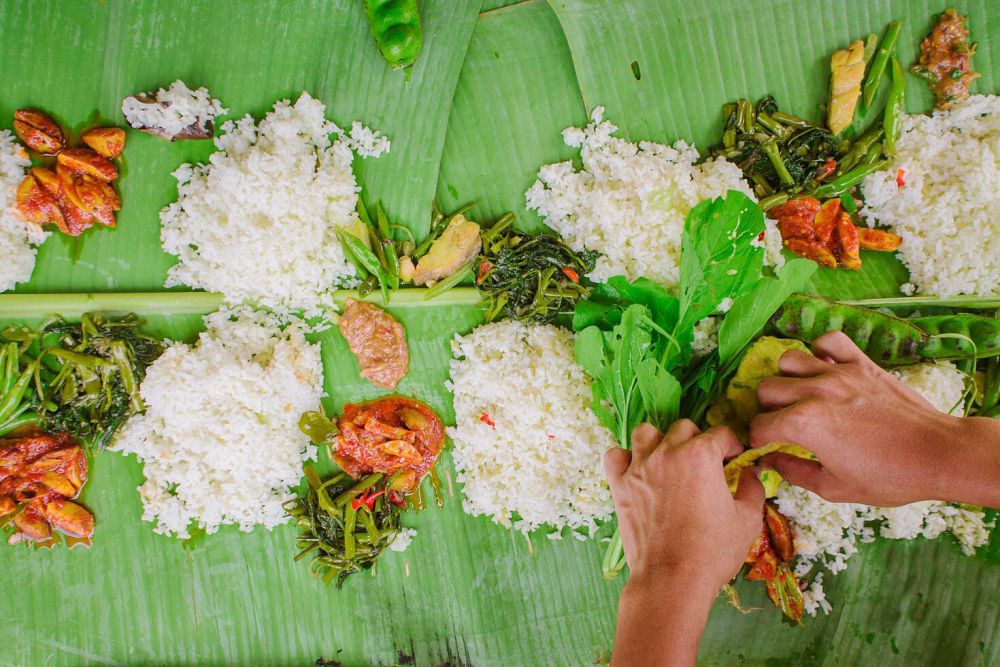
482,110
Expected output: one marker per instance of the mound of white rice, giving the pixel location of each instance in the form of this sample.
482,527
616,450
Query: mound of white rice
257,222
219,438
173,109
946,211
629,200
17,237
527,446
827,534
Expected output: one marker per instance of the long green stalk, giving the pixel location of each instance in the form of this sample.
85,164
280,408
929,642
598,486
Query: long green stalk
73,305
972,302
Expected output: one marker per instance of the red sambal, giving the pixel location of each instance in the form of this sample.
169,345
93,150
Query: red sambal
389,435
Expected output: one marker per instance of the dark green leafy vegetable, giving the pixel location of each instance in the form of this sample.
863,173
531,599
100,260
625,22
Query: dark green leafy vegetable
530,277
777,152
634,339
82,378
395,26
342,534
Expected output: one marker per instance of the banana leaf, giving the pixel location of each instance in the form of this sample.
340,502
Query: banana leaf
482,111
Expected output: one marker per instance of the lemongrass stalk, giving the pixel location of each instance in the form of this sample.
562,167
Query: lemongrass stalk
972,301
73,305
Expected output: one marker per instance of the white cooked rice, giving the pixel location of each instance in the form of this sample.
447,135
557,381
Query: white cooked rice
540,464
827,534
946,211
174,109
17,237
630,200
258,222
219,438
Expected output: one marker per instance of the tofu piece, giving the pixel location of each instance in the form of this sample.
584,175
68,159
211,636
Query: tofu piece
847,69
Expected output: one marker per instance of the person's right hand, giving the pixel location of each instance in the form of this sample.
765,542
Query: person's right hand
878,442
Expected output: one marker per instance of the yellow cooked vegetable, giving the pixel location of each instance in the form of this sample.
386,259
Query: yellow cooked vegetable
458,245
847,69
736,466
739,406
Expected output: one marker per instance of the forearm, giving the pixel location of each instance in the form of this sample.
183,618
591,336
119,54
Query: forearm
975,470
661,617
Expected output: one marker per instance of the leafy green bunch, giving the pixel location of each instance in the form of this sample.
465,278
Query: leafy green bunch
82,378
635,339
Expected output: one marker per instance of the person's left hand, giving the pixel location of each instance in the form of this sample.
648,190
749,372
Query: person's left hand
675,512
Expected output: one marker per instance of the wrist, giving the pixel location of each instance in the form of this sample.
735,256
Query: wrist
973,464
689,582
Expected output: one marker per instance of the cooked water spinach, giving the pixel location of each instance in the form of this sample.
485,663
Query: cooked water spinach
81,378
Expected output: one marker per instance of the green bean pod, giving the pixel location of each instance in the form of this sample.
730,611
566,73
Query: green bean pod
878,63
395,26
839,186
964,336
887,340
894,107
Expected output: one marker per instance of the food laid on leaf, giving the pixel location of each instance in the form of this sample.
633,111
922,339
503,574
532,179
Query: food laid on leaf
658,291
174,113
79,378
277,193
377,340
628,202
527,448
40,476
77,190
219,438
384,449
19,239
946,60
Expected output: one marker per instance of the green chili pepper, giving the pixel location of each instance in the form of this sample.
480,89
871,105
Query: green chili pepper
14,423
840,185
887,340
395,26
859,149
360,251
894,107
878,63
12,399
848,203
960,336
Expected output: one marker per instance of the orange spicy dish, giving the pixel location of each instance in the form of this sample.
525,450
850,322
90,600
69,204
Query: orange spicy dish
39,475
393,435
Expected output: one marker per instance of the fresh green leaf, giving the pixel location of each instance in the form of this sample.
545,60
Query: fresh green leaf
750,312
660,392
720,260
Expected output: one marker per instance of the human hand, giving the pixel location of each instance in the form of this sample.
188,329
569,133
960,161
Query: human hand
685,535
675,512
878,442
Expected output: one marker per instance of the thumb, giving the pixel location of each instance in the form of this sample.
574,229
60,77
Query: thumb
750,492
616,462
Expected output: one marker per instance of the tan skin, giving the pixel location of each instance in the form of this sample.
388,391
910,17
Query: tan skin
685,536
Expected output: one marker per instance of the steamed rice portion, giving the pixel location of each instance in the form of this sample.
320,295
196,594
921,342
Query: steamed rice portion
219,438
17,237
528,448
629,200
827,534
258,221
946,211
